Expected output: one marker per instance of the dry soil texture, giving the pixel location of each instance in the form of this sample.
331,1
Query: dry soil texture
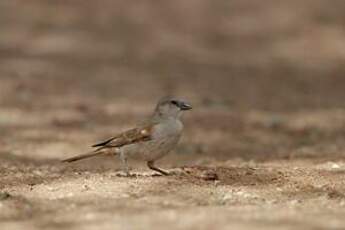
263,148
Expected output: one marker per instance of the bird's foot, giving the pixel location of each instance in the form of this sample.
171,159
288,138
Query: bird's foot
151,166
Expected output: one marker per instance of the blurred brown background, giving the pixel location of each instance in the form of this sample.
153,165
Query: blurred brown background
265,79
276,55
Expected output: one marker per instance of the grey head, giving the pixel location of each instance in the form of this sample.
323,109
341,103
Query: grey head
169,107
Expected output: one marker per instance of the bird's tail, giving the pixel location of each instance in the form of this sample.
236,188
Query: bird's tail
83,156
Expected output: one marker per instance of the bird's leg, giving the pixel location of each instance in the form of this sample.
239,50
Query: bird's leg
151,165
124,162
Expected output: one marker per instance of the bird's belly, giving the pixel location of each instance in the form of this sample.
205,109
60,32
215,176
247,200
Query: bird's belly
151,150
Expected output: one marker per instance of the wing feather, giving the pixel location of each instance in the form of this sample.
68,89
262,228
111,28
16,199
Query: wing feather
129,137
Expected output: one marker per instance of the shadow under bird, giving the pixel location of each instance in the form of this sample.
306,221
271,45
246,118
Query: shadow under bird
151,140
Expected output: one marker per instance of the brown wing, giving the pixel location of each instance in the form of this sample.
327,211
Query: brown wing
131,136
128,137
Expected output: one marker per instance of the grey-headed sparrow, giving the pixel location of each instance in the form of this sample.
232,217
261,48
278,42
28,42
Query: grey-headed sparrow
150,141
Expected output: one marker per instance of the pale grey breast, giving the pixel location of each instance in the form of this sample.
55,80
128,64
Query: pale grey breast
165,137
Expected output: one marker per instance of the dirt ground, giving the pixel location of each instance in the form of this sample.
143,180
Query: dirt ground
263,147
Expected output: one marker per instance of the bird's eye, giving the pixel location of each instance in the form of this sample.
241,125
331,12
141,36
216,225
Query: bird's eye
174,102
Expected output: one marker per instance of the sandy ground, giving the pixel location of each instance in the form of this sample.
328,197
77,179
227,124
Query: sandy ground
263,147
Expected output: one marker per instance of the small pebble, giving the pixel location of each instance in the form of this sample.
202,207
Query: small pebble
209,175
4,195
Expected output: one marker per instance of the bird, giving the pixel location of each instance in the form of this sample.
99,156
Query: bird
150,140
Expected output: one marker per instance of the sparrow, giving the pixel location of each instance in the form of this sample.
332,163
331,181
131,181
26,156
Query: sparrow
150,140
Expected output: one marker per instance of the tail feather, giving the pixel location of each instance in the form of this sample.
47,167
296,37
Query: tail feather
83,156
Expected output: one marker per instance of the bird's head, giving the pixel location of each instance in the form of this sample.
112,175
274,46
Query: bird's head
169,107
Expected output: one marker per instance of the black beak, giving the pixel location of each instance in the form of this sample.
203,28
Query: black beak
184,106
